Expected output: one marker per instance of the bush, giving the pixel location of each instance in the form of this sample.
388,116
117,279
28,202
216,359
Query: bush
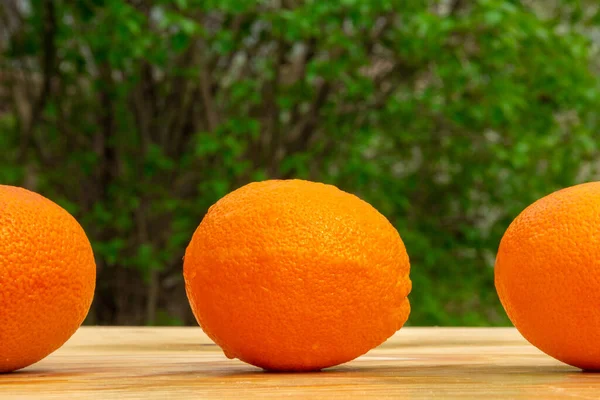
448,117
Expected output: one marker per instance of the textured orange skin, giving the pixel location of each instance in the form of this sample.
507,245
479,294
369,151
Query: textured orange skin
548,275
297,276
47,277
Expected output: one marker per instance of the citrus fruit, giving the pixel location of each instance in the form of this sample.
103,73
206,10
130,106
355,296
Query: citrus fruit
296,276
47,277
547,274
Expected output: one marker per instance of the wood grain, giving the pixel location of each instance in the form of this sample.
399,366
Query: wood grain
182,363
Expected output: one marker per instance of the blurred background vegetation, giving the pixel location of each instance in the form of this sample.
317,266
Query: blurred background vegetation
448,116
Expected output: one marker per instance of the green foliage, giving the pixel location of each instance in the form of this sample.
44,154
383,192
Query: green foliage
448,118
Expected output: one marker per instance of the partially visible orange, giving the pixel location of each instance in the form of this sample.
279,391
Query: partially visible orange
296,275
47,277
548,274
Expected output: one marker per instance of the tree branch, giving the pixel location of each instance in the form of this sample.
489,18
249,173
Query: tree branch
304,130
48,69
272,133
210,108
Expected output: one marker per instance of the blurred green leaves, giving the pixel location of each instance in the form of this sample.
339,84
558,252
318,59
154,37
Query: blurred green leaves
449,117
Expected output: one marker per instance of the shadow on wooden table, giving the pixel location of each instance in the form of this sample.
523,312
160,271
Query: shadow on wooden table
235,380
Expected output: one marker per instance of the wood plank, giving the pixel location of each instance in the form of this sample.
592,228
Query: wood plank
182,363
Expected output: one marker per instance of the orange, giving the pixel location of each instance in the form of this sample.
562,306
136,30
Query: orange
297,276
548,274
47,277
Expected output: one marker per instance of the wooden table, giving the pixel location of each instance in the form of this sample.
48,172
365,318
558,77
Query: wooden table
182,363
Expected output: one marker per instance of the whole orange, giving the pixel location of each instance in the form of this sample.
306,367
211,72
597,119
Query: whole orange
47,277
296,275
548,274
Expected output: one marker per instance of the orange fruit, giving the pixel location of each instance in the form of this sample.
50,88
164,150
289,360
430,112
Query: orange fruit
297,276
547,274
47,277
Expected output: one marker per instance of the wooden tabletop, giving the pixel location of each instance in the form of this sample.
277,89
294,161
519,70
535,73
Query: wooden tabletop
182,363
